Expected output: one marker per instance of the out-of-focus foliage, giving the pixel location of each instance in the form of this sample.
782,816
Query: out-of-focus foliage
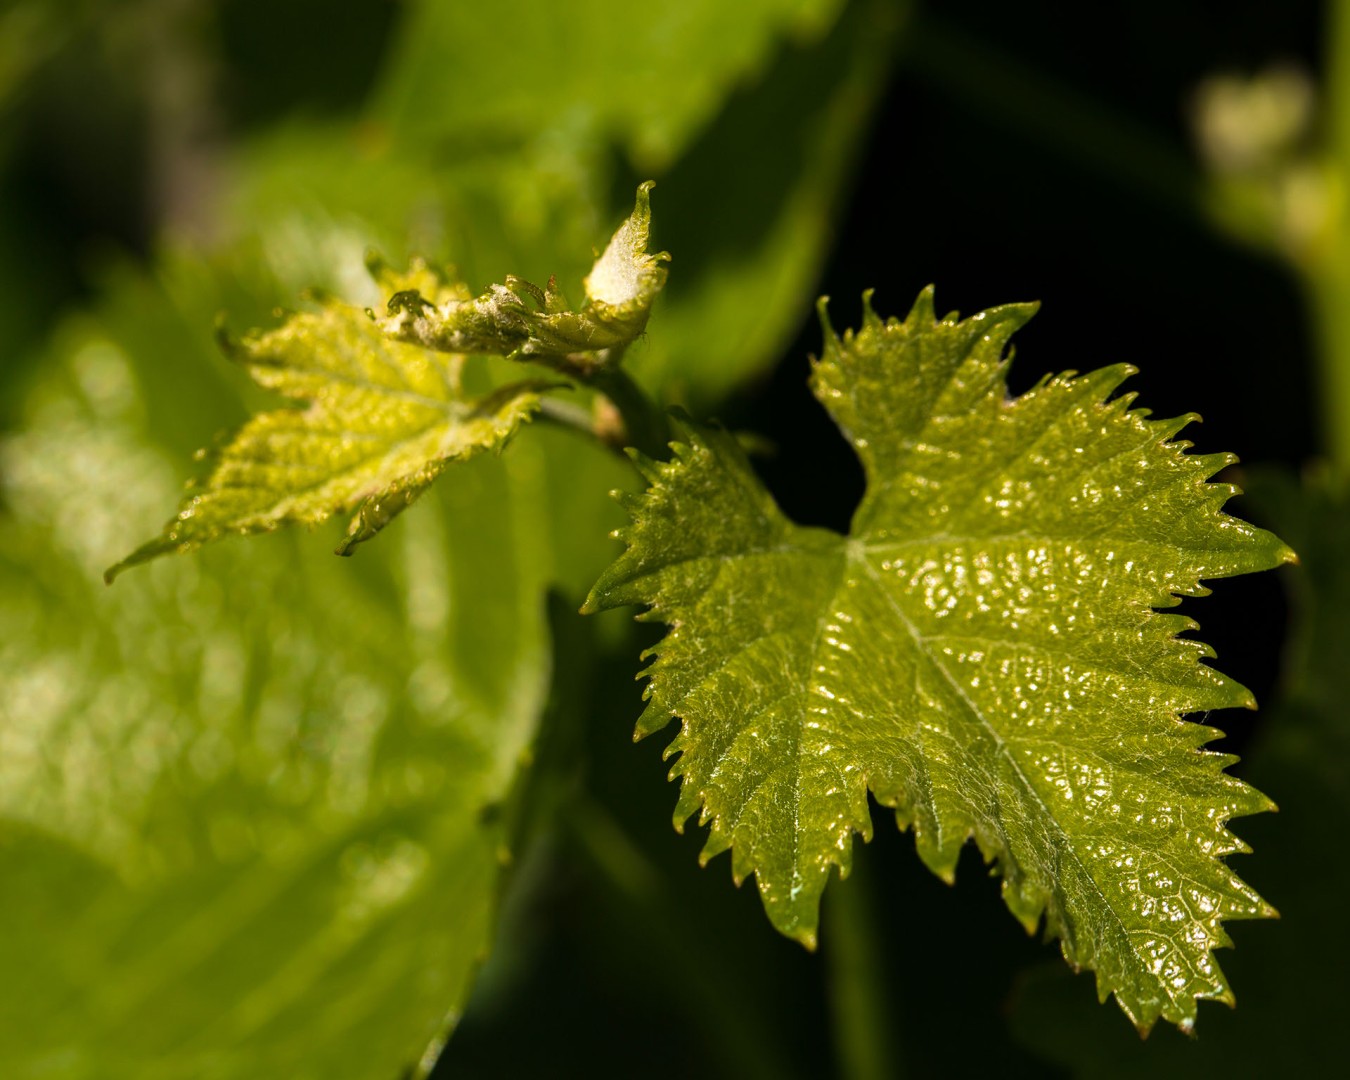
253,804
256,804
607,69
1278,153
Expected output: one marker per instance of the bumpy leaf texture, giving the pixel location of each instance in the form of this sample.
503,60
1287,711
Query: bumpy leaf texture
1291,1020
383,420
982,652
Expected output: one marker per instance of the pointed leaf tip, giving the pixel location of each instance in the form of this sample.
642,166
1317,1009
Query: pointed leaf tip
626,278
823,314
924,309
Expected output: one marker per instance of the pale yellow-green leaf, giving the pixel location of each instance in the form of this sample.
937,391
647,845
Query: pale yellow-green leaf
626,278
382,421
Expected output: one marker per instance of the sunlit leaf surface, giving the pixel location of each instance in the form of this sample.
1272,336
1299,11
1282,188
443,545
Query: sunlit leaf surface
383,421
982,653
1288,1019
252,804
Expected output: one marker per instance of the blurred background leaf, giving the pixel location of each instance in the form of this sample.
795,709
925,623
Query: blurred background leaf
256,804
252,801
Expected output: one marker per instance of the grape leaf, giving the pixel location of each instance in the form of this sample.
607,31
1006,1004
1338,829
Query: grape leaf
521,319
384,420
1290,1021
981,652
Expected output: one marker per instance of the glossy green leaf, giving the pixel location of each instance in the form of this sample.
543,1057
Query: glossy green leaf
252,804
383,421
982,653
1290,1013
520,319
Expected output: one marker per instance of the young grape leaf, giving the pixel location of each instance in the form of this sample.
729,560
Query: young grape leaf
383,421
981,653
646,78
519,318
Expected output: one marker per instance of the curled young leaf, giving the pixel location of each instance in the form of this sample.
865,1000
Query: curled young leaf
519,318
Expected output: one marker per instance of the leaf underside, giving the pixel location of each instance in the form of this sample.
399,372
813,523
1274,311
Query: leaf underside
382,421
982,653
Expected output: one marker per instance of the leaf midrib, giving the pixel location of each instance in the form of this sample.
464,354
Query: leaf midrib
920,645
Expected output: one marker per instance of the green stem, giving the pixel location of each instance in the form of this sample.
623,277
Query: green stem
575,417
1329,290
645,426
861,1009
567,414
1329,275
641,422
